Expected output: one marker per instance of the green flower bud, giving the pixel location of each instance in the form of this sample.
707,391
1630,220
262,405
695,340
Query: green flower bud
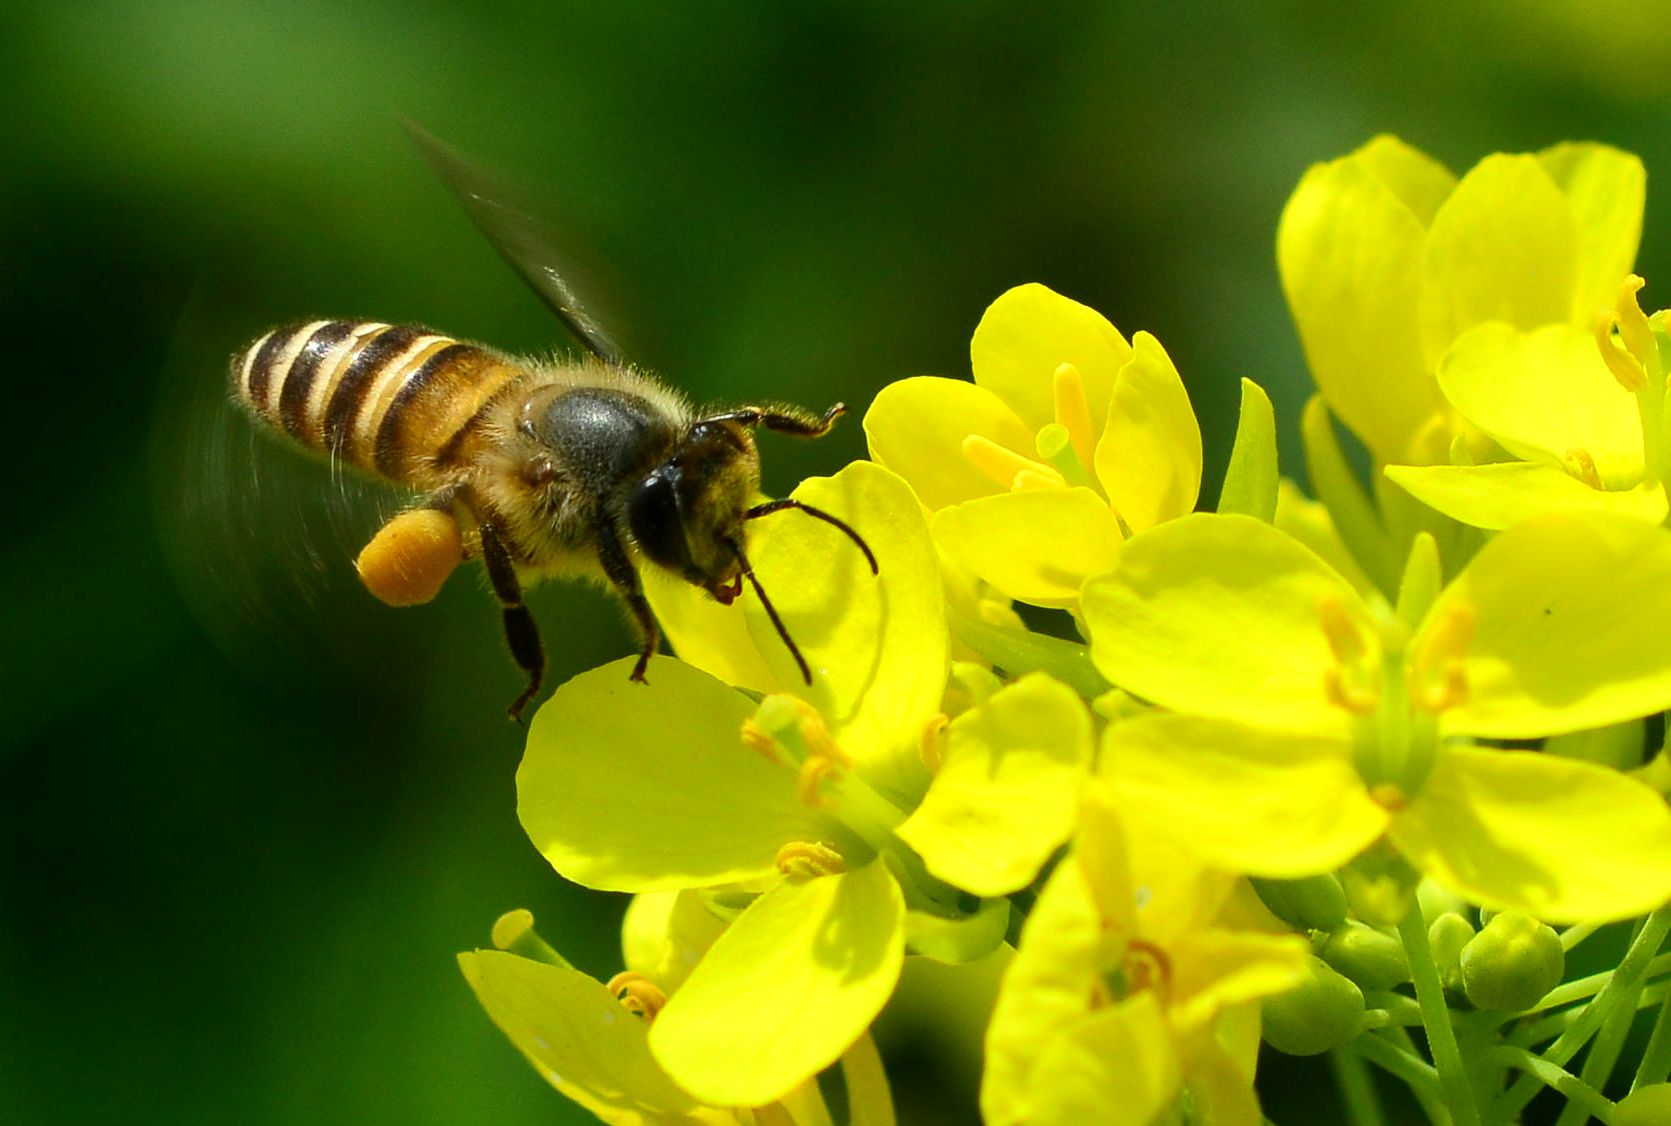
1324,1011
1512,963
1315,903
1447,936
1371,958
1380,886
1645,1106
1436,899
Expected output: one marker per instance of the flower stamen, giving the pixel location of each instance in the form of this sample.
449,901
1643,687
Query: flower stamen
1439,676
808,860
1348,683
1581,465
1003,464
638,994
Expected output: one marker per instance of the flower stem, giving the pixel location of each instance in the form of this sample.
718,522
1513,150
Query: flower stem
1357,1089
1655,1064
1583,1100
1405,1065
1436,1019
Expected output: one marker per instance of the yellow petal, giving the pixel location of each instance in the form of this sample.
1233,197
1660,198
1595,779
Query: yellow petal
1214,969
1605,188
876,644
579,1038
788,987
1220,1089
665,933
648,787
706,635
1037,546
1031,331
1005,795
1266,803
1544,394
1504,247
1564,841
1569,612
1118,1066
1420,182
1504,493
1349,250
916,428
1309,522
1149,456
1218,615
1046,988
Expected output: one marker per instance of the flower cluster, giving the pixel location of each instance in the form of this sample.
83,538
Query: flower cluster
1314,771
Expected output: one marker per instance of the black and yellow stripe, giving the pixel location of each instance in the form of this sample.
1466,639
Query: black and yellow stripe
396,400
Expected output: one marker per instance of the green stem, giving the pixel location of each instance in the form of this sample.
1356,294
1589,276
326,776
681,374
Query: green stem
1019,651
1436,1020
1403,1064
1633,968
1553,1025
1582,987
1573,935
1603,1055
1582,1099
1655,1064
1357,1089
1398,1008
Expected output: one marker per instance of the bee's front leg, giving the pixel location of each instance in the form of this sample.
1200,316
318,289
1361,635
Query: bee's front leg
618,568
521,633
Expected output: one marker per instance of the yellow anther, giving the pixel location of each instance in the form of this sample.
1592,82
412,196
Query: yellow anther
1358,698
1147,967
1001,463
1581,465
1389,796
1634,329
1439,678
1626,368
808,860
757,740
933,741
1346,640
1446,689
1029,479
638,994
1073,410
819,742
809,784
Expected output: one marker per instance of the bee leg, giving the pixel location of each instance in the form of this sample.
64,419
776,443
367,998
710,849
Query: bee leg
619,570
785,420
521,633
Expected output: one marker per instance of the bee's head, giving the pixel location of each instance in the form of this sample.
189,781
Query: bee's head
687,514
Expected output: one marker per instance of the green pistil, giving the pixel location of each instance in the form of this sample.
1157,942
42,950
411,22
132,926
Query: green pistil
1055,446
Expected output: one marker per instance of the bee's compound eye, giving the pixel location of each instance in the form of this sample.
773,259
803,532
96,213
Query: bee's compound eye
411,556
656,521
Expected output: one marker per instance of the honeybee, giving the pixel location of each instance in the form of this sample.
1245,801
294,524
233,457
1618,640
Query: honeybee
538,468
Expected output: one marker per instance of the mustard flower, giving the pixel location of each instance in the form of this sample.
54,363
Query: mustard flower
1309,723
1068,440
1127,989
1582,411
1387,259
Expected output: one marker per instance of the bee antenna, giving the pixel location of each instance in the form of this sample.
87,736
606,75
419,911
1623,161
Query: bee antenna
771,611
772,506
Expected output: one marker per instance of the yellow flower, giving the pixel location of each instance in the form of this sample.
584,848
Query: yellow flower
1126,989
1583,412
1314,723
1387,259
1068,440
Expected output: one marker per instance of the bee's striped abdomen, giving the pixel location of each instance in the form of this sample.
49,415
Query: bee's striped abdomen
387,398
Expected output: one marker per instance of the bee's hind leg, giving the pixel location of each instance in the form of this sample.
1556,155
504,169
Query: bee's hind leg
521,633
619,570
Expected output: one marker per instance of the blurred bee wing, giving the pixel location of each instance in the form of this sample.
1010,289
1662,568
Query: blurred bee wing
524,239
260,538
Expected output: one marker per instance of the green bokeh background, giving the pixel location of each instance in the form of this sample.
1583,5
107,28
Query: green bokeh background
246,815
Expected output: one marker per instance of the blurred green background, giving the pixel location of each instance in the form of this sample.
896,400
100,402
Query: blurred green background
247,815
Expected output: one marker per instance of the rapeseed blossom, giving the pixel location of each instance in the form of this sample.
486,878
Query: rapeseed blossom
1321,770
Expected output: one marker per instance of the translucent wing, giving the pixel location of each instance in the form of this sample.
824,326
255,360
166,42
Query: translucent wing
261,536
525,240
